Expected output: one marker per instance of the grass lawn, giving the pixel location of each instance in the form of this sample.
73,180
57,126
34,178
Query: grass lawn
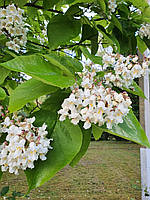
109,171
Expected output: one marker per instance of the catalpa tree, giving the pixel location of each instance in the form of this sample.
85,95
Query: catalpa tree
82,58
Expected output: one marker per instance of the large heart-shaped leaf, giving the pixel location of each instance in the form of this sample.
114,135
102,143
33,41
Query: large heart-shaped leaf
47,117
53,103
67,143
40,69
130,129
85,144
61,29
28,91
48,112
65,62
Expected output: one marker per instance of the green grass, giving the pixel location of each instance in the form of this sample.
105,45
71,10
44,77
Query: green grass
108,171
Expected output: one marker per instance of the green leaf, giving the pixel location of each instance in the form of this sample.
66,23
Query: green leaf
2,94
116,22
93,58
3,74
125,11
61,29
55,60
90,33
67,143
146,13
74,11
94,44
45,116
141,45
53,103
40,69
28,91
116,42
1,173
48,112
102,4
139,4
32,12
49,3
130,129
85,144
72,2
136,90
71,63
97,132
20,3
4,191
105,35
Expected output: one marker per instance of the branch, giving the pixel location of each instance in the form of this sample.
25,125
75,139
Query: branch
41,7
34,2
41,45
73,45
102,18
4,3
68,46
37,106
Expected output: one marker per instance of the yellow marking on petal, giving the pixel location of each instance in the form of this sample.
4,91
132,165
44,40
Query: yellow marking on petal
100,111
19,148
135,71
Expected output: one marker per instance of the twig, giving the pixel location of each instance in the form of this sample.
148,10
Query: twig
37,106
102,18
41,7
4,4
41,45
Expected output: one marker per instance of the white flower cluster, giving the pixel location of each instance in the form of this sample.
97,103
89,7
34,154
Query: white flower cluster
144,31
123,70
92,103
24,144
13,26
112,5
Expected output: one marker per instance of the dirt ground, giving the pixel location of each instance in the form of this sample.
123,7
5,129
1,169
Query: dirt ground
110,170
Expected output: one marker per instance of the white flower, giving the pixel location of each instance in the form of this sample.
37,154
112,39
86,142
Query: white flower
144,31
96,104
136,71
12,24
87,124
112,5
7,122
24,144
124,69
42,130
